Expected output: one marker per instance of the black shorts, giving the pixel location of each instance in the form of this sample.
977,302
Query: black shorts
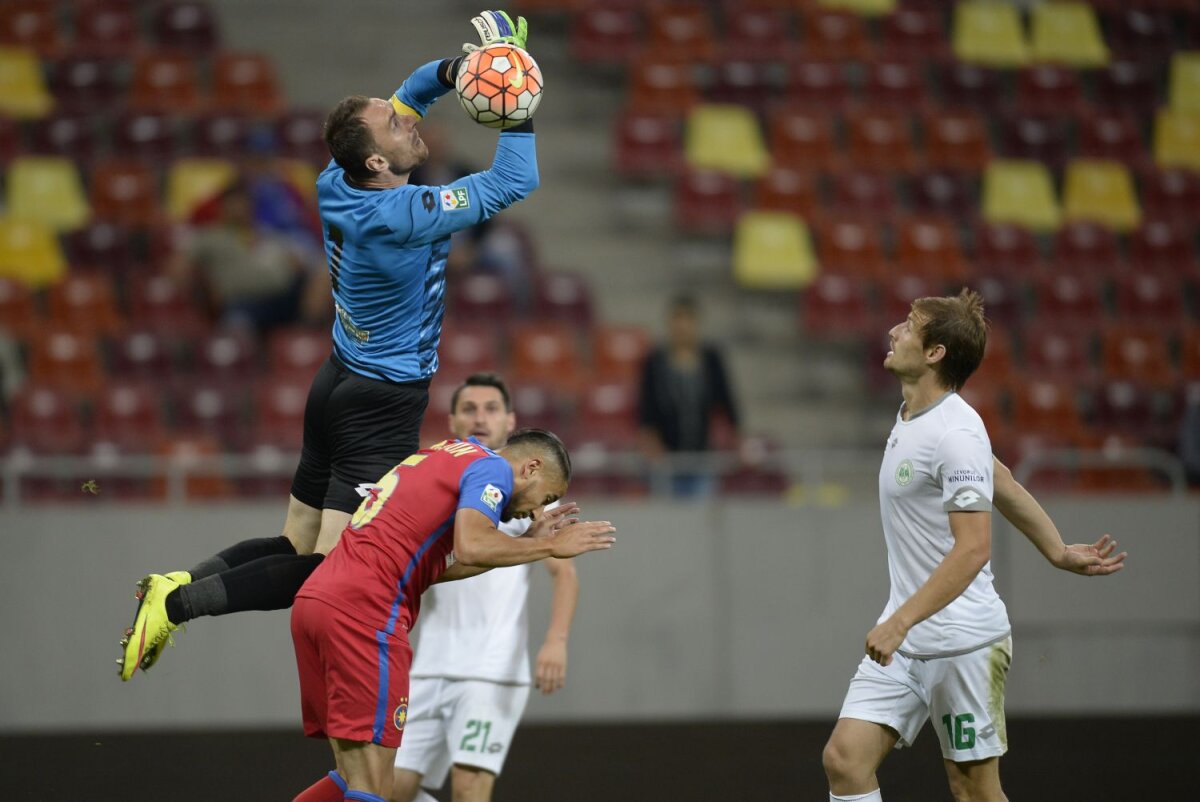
355,430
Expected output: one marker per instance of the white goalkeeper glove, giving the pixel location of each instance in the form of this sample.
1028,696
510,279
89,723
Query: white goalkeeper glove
497,26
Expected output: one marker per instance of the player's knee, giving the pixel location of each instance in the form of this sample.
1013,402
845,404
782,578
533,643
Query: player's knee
839,763
471,784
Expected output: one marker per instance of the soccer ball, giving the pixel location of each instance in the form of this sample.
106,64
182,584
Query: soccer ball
499,85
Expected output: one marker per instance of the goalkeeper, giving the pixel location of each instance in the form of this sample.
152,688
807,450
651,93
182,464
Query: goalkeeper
386,243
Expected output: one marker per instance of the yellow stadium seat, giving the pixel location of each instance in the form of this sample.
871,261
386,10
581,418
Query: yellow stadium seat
29,253
726,139
1067,33
1020,193
23,91
1185,82
48,190
191,182
989,33
1177,139
1101,192
772,251
865,8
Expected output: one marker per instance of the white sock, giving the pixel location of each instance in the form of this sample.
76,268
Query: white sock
423,797
874,796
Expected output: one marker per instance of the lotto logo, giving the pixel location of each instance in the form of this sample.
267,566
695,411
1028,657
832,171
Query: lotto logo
966,498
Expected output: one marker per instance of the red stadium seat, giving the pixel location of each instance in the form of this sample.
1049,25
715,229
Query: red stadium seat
944,193
18,312
213,410
1005,248
299,134
105,28
1136,411
1058,350
817,84
230,356
929,247
914,33
467,349
481,298
804,140
956,141
835,35
756,34
66,362
245,83
618,352
545,352
603,35
1138,353
1171,194
880,140
971,86
297,353
102,245
47,421
837,306
166,83
898,85
279,412
743,83
1128,85
31,23
222,135
85,84
159,303
188,453
660,86
648,145
1140,33
1003,299
1111,135
864,192
1087,249
682,33
142,355
706,202
187,26
126,193
146,135
1150,298
1049,90
565,297
130,415
784,189
853,247
1041,139
85,305
1159,245
609,410
541,405
1046,406
1070,297
67,133
897,294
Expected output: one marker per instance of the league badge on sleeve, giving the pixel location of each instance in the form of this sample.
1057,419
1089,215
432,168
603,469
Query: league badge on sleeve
492,496
455,198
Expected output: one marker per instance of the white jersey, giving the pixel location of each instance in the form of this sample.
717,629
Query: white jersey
477,628
937,462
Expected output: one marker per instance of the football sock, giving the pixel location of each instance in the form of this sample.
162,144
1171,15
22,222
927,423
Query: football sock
362,796
325,789
268,583
240,553
874,796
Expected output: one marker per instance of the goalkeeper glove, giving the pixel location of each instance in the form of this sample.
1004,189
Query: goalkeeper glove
497,26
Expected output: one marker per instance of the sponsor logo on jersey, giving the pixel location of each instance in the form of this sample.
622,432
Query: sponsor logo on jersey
904,473
400,717
492,496
966,497
455,198
964,475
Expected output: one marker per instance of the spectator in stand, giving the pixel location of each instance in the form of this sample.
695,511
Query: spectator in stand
1189,436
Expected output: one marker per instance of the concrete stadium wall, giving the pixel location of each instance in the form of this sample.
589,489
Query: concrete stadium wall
718,611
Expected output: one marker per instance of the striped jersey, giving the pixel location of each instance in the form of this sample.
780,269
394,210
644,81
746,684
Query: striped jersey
387,248
401,537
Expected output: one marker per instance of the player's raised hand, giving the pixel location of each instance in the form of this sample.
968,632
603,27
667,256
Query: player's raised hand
1092,559
582,537
548,521
497,26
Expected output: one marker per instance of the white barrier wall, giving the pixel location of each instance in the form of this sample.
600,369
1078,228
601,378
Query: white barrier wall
751,609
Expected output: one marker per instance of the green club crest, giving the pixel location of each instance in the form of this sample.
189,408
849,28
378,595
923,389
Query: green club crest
904,472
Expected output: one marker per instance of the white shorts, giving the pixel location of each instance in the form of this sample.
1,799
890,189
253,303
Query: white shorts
465,722
963,694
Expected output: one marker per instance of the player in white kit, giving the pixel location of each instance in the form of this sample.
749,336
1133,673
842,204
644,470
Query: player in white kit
942,647
470,672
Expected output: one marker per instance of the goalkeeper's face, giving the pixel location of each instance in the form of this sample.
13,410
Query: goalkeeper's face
399,148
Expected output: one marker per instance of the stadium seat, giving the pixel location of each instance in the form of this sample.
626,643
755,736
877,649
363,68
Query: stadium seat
725,139
1138,353
23,92
66,361
836,306
1177,139
191,182
1070,298
1042,139
852,246
130,415
105,28
212,409
835,35
279,412
750,84
188,454
881,140
1022,193
245,83
1087,249
299,135
863,8
817,84
103,246
1003,299
544,405
996,372
648,145
609,411
1100,192
142,355
1128,409
481,298
1066,33
706,202
1189,356
545,352
67,134
466,349
784,189
659,86
222,135
186,26
147,136
898,85
229,356
944,193
914,33
161,305
1184,83
30,253
1046,405
804,140
85,305
1161,246
297,353
1003,248
47,421
1113,135
19,315
85,84
772,251
989,34
929,247
125,193
166,83
956,141
756,34
1140,33
1172,195
605,36
32,24
682,33
563,296
46,190
897,294
10,140
863,192
1150,298
1129,85
1050,90
971,86
1058,351
618,352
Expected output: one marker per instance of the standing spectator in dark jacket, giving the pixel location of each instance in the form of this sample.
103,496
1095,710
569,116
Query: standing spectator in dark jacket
684,385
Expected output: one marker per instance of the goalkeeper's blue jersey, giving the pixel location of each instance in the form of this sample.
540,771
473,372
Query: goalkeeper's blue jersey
387,248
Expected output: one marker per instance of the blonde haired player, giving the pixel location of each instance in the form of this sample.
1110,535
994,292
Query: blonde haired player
470,673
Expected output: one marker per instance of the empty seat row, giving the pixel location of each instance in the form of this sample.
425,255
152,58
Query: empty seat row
108,27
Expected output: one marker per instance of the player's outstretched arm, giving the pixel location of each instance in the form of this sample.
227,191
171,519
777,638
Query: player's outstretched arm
478,542
1024,512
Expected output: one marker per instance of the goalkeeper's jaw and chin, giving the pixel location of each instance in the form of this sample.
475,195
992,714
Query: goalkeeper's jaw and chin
399,148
